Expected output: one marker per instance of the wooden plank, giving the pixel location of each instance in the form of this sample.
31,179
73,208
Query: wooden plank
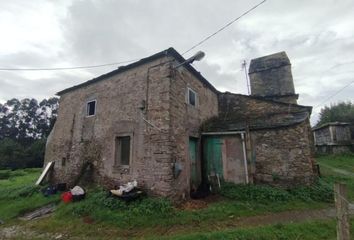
44,173
342,206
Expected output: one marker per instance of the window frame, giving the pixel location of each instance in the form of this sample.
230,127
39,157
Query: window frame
195,97
88,109
118,152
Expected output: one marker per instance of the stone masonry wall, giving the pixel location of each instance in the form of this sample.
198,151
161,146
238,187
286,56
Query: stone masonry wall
147,103
77,139
186,121
283,156
271,76
276,155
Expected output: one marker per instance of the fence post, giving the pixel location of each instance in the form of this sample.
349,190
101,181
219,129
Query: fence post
342,206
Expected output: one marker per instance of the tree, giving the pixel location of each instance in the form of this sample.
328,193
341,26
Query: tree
24,127
341,112
11,154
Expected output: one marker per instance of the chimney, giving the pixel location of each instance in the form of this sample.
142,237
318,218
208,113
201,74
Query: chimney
271,78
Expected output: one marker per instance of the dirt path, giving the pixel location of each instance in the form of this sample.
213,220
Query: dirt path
261,220
14,232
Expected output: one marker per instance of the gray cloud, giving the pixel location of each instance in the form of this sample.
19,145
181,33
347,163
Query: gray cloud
317,35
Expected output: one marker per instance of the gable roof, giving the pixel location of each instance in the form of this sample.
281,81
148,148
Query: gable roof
168,52
268,121
266,99
231,119
330,124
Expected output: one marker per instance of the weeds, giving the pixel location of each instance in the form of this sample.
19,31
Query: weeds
102,207
319,191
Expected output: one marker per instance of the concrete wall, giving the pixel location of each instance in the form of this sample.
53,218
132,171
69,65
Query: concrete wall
147,103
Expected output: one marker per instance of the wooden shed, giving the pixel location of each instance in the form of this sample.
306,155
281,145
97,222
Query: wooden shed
333,137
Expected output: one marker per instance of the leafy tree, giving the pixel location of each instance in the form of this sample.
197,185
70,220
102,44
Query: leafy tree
24,127
11,154
341,112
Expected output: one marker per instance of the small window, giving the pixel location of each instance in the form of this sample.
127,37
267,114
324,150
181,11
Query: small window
91,108
192,97
122,150
63,162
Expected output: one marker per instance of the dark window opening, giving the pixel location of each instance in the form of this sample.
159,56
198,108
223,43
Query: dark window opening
63,162
123,150
192,97
91,108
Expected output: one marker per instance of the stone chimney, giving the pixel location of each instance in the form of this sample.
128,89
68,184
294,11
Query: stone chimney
271,78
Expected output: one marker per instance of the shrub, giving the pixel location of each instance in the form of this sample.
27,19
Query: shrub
99,199
259,193
151,206
319,191
5,174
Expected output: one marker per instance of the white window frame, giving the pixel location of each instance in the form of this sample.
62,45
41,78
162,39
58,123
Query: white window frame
87,108
196,97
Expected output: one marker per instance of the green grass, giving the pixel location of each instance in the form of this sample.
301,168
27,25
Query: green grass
345,161
329,164
18,194
154,217
306,231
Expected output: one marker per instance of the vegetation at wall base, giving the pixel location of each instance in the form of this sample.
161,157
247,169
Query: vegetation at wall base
157,217
319,191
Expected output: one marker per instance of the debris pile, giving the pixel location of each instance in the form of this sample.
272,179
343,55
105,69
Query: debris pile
128,191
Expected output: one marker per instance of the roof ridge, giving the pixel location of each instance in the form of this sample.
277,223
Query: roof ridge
267,100
169,51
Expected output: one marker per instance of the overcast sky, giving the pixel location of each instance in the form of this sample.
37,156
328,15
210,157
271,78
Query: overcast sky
318,36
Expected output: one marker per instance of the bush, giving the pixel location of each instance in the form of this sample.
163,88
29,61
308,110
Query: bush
319,191
99,199
5,174
260,193
151,206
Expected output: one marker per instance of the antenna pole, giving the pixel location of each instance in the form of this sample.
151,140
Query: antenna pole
244,66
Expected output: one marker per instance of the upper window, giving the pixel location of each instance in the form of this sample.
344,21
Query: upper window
192,97
91,108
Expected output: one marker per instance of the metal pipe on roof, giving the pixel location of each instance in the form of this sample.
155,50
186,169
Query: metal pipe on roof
244,156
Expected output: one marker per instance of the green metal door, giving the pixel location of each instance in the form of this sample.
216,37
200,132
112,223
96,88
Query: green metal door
195,174
212,156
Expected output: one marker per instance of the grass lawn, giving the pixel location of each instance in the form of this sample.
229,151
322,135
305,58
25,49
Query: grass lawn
18,193
338,169
306,231
100,217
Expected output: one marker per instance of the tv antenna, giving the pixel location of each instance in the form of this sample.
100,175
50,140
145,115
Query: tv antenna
244,66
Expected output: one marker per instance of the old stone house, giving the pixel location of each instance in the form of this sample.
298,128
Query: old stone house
333,137
170,129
